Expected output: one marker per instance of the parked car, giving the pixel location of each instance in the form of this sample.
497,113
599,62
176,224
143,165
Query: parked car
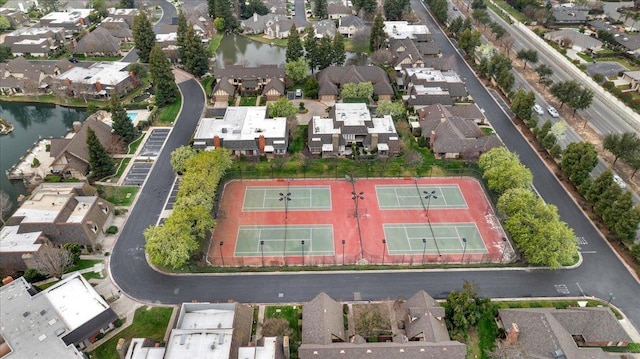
538,109
455,8
552,111
298,93
619,181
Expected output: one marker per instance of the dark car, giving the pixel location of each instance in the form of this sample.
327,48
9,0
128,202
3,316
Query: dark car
73,60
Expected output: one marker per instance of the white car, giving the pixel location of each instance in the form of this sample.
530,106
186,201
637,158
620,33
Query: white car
552,111
538,109
619,181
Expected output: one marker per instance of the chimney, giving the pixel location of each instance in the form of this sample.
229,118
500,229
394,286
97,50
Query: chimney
286,348
513,333
374,140
121,348
98,86
255,17
68,83
7,280
216,141
261,143
77,125
335,142
432,139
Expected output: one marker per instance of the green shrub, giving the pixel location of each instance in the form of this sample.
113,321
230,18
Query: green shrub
118,323
635,252
32,275
35,163
47,147
112,230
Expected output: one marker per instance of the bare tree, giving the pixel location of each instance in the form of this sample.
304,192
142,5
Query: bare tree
381,57
361,38
370,320
505,350
276,327
5,206
52,261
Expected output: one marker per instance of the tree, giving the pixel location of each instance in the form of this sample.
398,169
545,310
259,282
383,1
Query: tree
478,4
74,250
139,70
325,49
143,36
181,32
276,327
312,53
544,72
166,90
369,7
282,108
578,160
514,200
127,4
468,40
377,36
581,100
381,57
527,56
52,261
481,16
195,56
254,7
5,53
464,309
393,109
169,245
5,24
99,160
626,217
393,9
633,160
564,91
455,25
522,103
320,9
297,69
211,8
599,186
311,87
5,206
50,5
502,170
369,320
359,90
360,39
294,45
338,52
439,8
497,30
224,9
121,125
179,158
621,145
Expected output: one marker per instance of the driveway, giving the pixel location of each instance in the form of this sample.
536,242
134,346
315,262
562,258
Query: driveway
607,69
314,107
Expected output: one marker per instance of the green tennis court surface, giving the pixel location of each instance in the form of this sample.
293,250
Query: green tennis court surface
407,238
302,198
411,197
318,240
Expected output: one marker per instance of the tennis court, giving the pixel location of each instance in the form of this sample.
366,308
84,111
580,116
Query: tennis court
407,238
284,240
296,198
412,197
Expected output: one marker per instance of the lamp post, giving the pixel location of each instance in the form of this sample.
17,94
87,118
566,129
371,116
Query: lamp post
286,198
357,197
428,196
424,248
262,251
384,245
343,241
611,297
240,170
302,242
221,256
464,250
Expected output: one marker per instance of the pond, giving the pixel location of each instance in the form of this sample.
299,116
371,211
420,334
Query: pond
241,50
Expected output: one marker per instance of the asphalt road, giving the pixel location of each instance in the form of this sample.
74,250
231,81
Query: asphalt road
600,275
168,13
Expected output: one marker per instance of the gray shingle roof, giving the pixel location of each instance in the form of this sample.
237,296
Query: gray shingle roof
352,20
339,75
323,322
98,41
391,350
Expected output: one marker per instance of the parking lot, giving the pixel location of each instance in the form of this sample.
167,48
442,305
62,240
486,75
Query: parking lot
172,196
154,143
137,174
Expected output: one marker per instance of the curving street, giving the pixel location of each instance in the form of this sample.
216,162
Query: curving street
600,275
168,13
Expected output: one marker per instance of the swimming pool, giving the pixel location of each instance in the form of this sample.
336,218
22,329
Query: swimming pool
132,116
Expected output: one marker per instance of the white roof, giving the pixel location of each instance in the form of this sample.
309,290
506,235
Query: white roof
383,147
12,241
75,301
268,351
107,73
242,123
382,125
137,351
403,30
172,36
429,90
327,147
323,126
352,114
31,31
430,74
60,17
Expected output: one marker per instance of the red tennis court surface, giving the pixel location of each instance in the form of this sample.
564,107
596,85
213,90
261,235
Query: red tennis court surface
252,214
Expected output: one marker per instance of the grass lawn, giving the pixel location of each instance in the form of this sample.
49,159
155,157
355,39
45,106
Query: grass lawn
133,146
147,323
585,57
264,40
350,46
123,164
207,84
118,195
215,43
83,264
169,113
92,275
248,100
288,312
513,12
487,130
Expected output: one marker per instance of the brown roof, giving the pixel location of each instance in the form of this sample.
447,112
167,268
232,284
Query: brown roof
339,75
77,147
241,72
426,319
99,40
387,350
322,319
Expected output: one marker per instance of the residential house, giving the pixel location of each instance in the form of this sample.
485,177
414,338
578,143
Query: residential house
331,79
563,333
258,24
102,79
21,76
277,7
429,49
349,125
337,10
405,53
278,29
201,25
118,28
324,28
167,40
424,335
427,86
569,16
64,213
452,136
634,79
575,40
629,42
72,21
57,322
349,25
16,247
98,42
35,41
404,30
16,18
125,14
245,131
264,80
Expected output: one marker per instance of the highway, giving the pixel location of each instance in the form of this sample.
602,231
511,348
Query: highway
601,274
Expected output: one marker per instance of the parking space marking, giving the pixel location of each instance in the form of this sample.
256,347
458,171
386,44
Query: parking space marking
562,288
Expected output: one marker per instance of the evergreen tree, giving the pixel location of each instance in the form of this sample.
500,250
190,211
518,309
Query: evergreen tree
163,79
143,36
320,9
195,56
311,48
211,8
121,125
127,4
254,7
181,32
369,6
223,9
325,52
376,39
338,52
99,160
393,9
294,45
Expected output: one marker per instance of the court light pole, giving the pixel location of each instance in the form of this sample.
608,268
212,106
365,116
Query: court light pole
262,251
384,245
424,248
357,197
221,256
464,250
286,198
343,242
611,297
302,243
428,196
